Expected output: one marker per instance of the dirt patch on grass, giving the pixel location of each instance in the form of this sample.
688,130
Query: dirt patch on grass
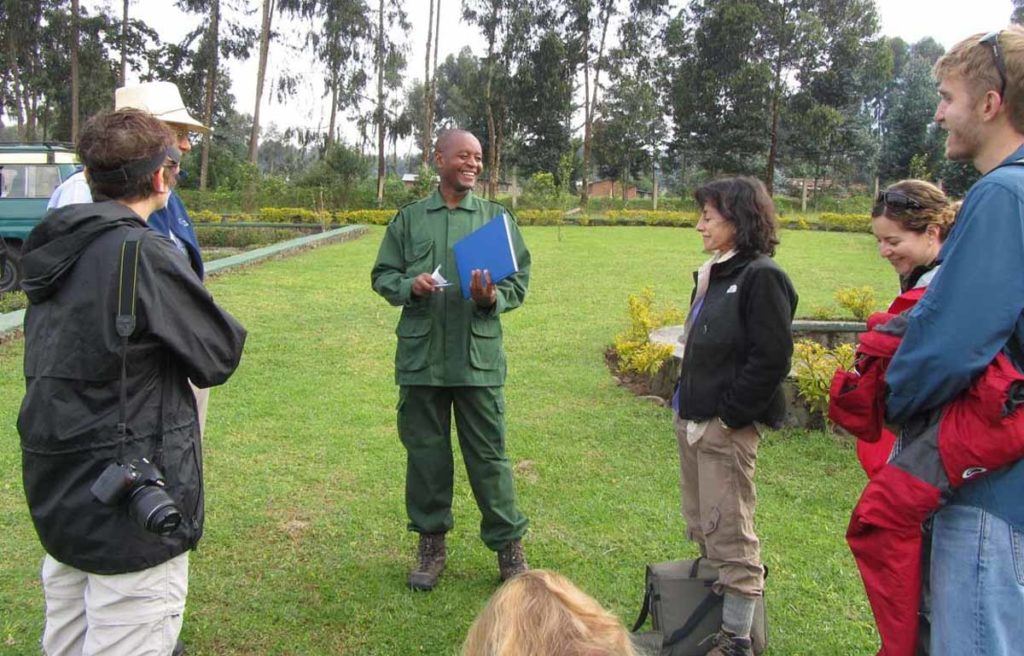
638,384
526,470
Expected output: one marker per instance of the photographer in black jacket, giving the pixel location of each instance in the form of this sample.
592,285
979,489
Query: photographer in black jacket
738,344
111,456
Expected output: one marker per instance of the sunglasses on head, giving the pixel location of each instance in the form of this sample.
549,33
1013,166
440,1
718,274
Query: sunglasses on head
897,200
992,41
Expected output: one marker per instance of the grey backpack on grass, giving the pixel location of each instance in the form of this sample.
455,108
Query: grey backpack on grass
685,612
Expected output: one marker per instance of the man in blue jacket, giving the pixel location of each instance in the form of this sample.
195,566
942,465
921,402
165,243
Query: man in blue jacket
974,308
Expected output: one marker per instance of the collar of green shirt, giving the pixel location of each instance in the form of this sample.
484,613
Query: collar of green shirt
436,201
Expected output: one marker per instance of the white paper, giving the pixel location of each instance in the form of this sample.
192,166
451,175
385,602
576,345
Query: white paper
438,279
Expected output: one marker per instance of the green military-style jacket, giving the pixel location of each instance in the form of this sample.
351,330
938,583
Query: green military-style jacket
445,340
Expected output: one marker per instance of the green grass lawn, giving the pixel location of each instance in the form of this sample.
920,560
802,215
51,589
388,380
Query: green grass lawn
306,549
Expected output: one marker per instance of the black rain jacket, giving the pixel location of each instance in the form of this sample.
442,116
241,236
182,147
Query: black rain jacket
69,416
739,349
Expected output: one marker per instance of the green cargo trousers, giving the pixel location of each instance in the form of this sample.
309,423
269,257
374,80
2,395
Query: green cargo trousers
425,427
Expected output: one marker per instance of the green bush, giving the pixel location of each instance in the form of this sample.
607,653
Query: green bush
637,354
859,301
371,217
12,301
845,222
813,368
539,217
312,215
211,236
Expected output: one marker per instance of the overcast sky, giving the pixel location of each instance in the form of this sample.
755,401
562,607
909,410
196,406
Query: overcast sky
947,21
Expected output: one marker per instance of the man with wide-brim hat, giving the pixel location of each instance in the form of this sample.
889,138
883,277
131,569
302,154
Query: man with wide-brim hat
162,100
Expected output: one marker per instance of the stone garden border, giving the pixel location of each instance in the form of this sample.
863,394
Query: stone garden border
828,333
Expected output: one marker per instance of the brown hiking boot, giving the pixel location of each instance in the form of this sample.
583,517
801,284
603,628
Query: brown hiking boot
431,557
512,560
724,643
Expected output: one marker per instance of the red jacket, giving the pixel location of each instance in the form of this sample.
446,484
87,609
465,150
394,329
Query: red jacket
874,455
941,452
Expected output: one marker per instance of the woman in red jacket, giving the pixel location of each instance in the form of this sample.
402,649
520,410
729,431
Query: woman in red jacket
910,220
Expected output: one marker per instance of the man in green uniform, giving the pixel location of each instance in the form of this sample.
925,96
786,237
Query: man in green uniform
449,356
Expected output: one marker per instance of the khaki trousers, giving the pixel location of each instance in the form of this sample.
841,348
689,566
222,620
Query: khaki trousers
202,400
718,499
133,614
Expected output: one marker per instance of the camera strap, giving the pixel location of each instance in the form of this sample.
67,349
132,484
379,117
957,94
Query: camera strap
125,325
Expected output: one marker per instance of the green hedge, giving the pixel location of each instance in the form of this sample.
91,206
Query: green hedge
685,219
213,236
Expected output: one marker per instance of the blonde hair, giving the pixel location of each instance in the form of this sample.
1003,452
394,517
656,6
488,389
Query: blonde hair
541,613
973,61
935,207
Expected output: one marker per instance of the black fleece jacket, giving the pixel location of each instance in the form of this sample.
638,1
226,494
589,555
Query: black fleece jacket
70,412
739,349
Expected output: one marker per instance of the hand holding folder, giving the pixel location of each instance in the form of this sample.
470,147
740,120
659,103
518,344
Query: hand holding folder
488,248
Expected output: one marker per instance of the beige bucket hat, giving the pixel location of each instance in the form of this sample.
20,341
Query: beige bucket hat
161,99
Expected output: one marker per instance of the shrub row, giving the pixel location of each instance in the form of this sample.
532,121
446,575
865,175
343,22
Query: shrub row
214,236
826,221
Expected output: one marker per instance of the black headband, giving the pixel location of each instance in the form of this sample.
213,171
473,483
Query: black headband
136,168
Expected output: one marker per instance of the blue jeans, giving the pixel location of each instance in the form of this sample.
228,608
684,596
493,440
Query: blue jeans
977,584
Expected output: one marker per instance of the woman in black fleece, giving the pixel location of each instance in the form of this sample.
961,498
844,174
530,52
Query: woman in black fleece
738,344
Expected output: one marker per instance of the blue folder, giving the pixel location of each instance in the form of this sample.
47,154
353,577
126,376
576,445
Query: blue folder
488,247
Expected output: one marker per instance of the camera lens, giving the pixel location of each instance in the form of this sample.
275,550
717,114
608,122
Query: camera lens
154,510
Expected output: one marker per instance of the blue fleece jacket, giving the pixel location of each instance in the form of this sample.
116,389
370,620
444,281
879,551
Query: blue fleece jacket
972,308
174,222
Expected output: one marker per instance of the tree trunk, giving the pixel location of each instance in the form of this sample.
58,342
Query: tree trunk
334,109
211,85
585,179
588,127
491,136
380,104
433,78
654,197
499,143
261,74
425,157
19,97
74,70
515,185
123,76
32,117
773,148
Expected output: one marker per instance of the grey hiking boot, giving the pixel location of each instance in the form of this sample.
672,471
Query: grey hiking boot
512,560
430,559
724,643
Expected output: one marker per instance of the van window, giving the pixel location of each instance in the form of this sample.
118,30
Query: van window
28,180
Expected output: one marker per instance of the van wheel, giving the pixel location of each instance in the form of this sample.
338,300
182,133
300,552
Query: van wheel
10,274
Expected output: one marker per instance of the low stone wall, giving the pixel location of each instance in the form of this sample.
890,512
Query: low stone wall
828,333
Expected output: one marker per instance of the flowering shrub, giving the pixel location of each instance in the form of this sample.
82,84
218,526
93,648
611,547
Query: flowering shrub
637,354
858,300
813,368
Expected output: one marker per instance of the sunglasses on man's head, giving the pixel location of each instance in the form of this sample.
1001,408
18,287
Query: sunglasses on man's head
992,41
897,200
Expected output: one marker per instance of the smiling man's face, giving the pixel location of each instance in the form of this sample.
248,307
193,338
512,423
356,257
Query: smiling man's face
460,162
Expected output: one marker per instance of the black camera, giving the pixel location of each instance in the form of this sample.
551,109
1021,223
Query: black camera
141,485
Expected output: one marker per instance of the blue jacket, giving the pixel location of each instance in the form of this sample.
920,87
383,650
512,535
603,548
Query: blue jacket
972,308
174,222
